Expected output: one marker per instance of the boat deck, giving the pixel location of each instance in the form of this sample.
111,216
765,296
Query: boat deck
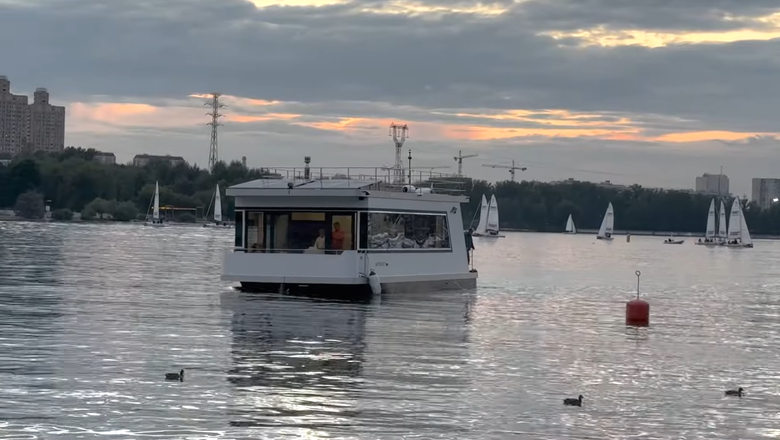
369,178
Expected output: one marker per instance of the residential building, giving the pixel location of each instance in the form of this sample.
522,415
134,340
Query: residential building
105,158
142,160
13,119
47,123
716,184
765,192
39,126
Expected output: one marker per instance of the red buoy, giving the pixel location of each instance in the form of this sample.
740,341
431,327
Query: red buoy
638,313
637,310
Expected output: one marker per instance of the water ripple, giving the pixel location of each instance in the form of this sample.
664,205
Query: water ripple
92,316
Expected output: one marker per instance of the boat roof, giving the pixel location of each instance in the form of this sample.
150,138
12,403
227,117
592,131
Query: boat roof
354,182
306,184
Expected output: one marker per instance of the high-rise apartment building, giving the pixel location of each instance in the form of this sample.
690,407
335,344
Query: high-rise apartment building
716,184
765,192
47,123
39,126
13,119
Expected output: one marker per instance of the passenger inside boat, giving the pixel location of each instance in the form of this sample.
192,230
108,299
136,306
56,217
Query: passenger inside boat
337,236
319,243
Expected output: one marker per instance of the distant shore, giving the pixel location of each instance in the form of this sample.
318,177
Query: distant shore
644,233
579,231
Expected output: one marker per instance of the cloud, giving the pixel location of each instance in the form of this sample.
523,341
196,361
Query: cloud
500,77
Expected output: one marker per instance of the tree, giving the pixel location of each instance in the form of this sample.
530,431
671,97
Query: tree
72,180
124,211
63,214
99,207
30,205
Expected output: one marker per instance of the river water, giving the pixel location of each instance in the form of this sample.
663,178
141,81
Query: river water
92,316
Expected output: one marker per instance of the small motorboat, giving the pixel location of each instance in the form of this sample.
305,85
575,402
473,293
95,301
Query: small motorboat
673,241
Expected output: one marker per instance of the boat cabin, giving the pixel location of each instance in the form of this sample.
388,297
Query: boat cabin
295,233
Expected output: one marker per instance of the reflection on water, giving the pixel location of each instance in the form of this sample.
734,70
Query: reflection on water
296,362
92,316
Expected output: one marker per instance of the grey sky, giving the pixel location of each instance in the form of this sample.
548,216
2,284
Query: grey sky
429,67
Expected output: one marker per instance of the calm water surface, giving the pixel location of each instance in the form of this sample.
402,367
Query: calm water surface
91,317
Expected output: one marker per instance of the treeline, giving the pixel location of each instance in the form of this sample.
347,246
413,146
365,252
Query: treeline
541,206
72,181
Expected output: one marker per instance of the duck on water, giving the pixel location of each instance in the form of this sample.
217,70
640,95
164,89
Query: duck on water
175,376
737,392
573,402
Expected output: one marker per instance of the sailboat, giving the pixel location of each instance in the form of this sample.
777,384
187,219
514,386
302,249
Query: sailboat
710,234
490,215
483,213
738,235
711,237
570,228
722,234
217,212
607,224
155,207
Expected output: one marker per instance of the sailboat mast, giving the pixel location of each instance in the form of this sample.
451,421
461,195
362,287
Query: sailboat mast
720,200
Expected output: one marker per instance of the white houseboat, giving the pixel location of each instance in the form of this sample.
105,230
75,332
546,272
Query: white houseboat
347,234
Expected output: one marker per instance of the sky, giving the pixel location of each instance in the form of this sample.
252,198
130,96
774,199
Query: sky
653,92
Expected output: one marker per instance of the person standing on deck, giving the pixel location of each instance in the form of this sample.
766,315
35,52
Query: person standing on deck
469,244
337,237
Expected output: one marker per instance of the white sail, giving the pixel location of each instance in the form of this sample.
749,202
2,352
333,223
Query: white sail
156,209
608,223
492,216
217,206
722,222
483,214
570,228
744,233
711,221
735,221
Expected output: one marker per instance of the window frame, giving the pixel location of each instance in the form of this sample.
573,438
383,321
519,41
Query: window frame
272,213
363,235
240,225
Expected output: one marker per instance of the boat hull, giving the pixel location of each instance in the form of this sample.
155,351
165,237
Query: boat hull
740,245
605,238
710,244
214,225
348,291
674,242
346,272
488,235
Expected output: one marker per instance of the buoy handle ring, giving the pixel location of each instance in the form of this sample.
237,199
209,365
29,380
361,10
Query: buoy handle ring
638,273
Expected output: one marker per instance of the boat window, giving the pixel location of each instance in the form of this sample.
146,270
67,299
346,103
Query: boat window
387,230
300,231
255,236
239,241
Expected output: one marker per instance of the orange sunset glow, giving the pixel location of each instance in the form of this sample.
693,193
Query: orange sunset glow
552,123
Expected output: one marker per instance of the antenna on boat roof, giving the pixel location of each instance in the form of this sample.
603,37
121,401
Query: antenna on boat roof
410,166
306,170
399,134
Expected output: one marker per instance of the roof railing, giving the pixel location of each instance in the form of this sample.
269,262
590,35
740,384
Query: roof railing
386,178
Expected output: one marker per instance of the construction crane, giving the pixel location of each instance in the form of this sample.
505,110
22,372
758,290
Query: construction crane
511,168
459,158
